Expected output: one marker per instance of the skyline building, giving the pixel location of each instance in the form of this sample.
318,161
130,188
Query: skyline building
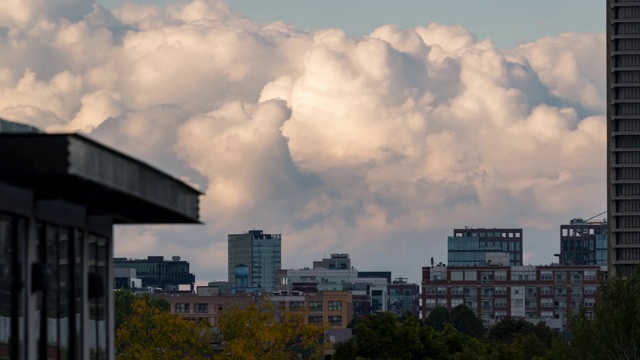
583,243
156,272
623,140
474,247
253,259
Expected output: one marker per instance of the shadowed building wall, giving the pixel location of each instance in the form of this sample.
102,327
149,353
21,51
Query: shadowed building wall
623,128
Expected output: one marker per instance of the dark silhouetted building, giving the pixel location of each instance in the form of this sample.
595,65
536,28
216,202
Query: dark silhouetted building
156,272
60,195
623,140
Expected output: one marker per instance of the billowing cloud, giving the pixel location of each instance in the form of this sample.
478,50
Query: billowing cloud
377,146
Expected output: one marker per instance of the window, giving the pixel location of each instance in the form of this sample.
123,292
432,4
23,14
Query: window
517,276
500,290
589,290
546,314
431,290
335,320
576,291
500,303
588,303
546,276
442,291
335,306
517,302
470,291
315,305
546,303
442,302
456,276
470,275
457,290
315,319
590,274
201,308
500,276
529,275
430,303
296,305
182,308
546,290
456,302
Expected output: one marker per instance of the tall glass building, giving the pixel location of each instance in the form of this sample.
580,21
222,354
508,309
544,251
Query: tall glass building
259,252
583,243
470,247
623,142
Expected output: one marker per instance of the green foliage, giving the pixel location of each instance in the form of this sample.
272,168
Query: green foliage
150,332
255,333
123,302
614,332
523,338
466,321
437,318
385,336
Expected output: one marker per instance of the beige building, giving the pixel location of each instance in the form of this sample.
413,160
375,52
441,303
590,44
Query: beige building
332,309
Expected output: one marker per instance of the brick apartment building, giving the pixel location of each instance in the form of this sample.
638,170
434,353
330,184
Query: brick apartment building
498,292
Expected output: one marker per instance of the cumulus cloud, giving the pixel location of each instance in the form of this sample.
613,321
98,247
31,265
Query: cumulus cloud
377,145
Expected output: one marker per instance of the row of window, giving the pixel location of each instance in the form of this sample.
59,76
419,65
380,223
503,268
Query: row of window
203,308
515,275
501,303
529,291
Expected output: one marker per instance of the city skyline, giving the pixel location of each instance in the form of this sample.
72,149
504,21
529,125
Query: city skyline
375,144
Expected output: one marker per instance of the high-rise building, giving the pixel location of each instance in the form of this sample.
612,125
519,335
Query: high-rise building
253,259
474,247
623,140
583,243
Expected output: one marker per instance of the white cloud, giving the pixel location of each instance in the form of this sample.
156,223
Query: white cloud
377,145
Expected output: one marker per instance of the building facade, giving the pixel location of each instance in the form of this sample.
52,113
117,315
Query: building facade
583,243
259,253
335,262
61,195
404,297
473,247
156,272
623,142
501,292
332,309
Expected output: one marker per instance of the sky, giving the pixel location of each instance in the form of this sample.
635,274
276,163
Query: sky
348,127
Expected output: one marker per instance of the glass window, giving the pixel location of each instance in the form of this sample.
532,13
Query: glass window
315,305
335,306
201,308
441,302
456,276
315,319
442,291
590,274
182,308
335,320
296,305
457,290
546,275
470,275
500,275
500,302
456,302
430,303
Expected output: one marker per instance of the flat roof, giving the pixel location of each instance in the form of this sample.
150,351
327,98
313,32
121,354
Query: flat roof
78,169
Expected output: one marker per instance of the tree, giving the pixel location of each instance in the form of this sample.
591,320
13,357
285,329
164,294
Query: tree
437,318
123,302
149,332
262,332
466,321
614,331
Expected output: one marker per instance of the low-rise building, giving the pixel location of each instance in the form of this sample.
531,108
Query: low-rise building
500,292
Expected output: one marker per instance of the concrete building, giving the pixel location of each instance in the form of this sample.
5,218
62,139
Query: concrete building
253,259
623,140
335,262
321,279
126,278
473,247
583,243
61,195
158,273
499,292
